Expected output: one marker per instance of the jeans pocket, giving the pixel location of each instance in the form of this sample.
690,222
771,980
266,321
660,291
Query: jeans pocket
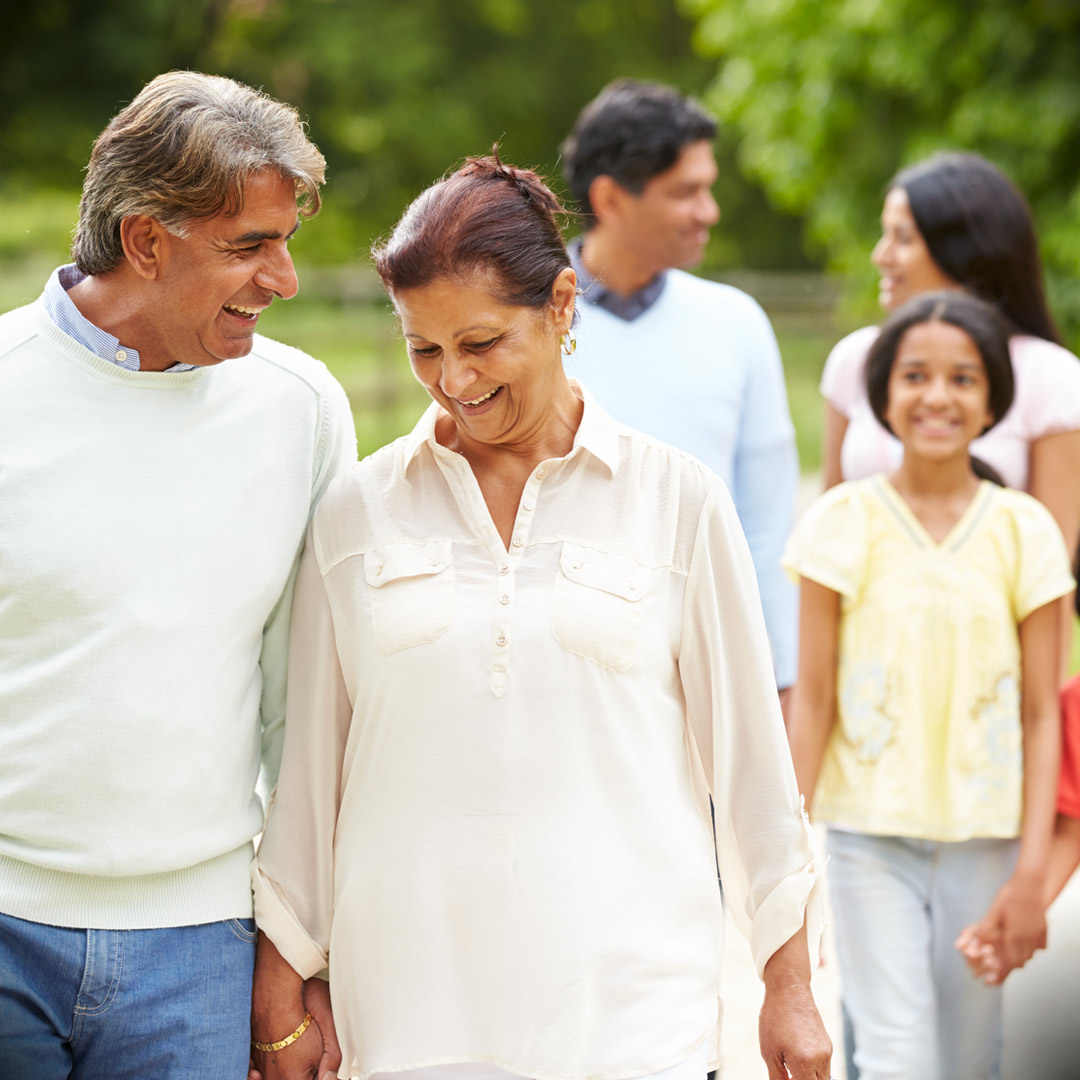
244,929
411,591
597,608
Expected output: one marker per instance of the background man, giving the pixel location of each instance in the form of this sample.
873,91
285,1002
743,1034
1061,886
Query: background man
689,361
159,462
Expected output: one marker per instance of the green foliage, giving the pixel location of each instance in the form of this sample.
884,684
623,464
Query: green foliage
395,92
831,97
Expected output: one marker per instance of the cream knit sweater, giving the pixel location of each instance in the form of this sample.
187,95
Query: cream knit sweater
150,528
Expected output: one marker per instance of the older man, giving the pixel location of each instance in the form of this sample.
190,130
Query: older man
159,462
690,361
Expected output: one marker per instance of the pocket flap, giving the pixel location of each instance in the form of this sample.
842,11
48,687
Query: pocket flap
616,574
394,561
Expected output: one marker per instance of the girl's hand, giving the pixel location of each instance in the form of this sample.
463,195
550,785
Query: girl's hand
1010,932
981,956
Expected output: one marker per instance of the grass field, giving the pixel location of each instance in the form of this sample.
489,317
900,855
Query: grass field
341,317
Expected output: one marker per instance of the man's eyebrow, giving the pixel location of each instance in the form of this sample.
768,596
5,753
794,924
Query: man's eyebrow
256,235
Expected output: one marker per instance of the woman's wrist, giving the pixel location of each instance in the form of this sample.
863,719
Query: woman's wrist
281,1041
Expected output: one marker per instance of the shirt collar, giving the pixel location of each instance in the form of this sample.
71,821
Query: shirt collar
63,312
595,292
597,434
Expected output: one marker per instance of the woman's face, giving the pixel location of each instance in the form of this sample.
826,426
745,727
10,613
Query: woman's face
494,367
902,257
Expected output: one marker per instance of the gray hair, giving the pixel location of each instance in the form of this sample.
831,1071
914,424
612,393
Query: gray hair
182,151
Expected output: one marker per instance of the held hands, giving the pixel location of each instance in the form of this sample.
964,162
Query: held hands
1008,935
315,1055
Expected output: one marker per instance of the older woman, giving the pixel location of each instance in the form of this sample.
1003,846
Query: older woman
526,649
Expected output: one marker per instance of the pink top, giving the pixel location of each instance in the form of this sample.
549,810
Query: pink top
1047,402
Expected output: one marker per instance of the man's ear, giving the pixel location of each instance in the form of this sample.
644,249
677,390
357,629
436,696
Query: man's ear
142,237
607,197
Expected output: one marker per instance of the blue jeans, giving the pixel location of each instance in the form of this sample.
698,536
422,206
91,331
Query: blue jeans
171,1004
898,905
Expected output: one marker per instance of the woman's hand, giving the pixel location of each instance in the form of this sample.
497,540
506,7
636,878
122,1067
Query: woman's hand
1010,932
279,1000
793,1038
299,1060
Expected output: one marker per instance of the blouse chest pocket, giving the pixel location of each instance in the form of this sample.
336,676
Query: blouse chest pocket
597,608
411,590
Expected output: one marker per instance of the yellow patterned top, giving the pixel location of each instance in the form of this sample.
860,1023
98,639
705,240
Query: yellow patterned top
928,738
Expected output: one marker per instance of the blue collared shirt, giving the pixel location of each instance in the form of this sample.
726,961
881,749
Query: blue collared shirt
594,291
75,324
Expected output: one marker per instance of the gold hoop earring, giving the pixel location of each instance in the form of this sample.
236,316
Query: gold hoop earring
568,343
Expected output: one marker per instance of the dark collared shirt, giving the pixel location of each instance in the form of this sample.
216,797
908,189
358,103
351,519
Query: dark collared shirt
594,291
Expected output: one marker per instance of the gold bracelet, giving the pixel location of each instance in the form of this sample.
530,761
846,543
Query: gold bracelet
288,1040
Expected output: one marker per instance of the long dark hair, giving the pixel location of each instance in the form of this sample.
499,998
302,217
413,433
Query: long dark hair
978,229
979,320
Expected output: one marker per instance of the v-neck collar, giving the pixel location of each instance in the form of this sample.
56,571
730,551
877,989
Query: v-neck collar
957,536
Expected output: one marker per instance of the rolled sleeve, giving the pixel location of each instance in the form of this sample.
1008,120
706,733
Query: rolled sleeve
293,874
765,848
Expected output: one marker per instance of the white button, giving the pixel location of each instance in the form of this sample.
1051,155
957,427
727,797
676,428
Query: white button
578,565
504,570
633,585
501,639
378,571
433,561
518,541
504,599
121,354
529,504
541,473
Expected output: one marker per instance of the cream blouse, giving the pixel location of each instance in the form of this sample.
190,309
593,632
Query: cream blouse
492,819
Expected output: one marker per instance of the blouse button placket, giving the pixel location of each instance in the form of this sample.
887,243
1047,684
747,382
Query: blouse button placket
500,661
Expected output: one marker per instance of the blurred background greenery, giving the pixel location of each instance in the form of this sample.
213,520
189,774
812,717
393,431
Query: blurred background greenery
820,103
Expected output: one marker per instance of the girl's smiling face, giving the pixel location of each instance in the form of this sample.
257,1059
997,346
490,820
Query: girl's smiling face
938,392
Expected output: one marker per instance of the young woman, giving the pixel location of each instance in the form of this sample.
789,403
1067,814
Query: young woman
928,599
955,222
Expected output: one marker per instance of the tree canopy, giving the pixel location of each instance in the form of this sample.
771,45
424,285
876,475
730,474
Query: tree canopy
395,91
829,98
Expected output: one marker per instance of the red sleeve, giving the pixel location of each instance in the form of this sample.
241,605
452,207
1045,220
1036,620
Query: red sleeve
1069,784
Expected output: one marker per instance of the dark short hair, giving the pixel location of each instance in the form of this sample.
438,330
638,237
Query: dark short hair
631,131
978,319
978,229
487,218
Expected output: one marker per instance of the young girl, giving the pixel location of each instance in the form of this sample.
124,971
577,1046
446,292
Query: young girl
927,601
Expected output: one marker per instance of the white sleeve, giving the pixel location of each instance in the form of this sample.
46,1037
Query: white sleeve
765,846
293,875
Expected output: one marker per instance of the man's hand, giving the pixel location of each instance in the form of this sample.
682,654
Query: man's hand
279,998
317,1002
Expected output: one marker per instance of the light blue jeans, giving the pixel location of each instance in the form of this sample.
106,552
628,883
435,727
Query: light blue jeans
898,905
171,1004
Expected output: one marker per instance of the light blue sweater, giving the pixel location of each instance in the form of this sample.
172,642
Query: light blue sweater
700,369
